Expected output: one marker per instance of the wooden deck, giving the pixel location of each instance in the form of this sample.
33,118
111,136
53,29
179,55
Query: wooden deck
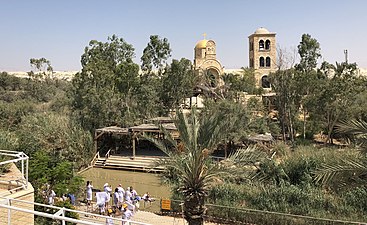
139,163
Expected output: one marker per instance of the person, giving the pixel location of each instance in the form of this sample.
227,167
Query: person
101,201
89,192
71,198
127,214
146,197
51,197
116,198
134,194
108,190
109,220
121,193
128,195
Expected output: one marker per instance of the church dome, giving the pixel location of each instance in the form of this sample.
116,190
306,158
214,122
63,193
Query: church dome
201,44
262,30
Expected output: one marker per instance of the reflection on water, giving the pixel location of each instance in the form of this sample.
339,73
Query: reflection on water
142,182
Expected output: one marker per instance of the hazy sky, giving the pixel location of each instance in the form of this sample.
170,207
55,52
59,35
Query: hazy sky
60,30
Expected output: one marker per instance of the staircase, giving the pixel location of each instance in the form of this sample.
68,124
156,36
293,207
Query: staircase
100,162
139,163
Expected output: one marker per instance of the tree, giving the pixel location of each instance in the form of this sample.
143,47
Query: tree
309,51
239,83
98,91
336,91
155,54
178,83
349,170
287,100
190,162
42,65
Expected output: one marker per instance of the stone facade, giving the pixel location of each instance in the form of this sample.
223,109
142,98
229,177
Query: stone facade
262,55
205,60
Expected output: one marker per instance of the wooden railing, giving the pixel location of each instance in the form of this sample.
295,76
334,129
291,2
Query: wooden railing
108,154
95,158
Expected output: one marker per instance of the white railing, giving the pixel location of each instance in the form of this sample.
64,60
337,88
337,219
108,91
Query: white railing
60,214
15,182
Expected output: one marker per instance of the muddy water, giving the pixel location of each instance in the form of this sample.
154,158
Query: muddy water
141,182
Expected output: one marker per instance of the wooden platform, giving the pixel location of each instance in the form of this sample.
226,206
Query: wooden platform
139,163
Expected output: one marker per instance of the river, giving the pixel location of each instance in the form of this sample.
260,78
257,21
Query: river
141,182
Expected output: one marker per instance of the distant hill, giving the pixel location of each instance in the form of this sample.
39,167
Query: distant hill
64,75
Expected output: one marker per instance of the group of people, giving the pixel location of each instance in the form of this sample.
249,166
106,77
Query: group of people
124,201
50,197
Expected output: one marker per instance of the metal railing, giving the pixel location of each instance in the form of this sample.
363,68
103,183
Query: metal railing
18,181
53,212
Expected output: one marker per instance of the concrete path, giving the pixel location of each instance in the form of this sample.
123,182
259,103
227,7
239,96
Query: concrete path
144,217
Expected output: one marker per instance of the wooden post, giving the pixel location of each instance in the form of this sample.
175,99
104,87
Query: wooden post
133,145
95,142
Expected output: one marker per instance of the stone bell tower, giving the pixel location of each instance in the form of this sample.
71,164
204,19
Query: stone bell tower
262,55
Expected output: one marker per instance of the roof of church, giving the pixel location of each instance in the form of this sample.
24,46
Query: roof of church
201,44
262,30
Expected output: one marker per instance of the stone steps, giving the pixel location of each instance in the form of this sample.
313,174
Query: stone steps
129,163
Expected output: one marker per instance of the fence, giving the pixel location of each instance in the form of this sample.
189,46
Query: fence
14,182
10,207
232,215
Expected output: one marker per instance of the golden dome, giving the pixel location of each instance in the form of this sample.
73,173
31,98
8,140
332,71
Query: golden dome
201,44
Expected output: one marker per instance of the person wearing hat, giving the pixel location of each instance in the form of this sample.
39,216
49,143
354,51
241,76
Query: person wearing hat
109,220
108,190
127,214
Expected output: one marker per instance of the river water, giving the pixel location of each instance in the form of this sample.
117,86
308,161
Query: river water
141,182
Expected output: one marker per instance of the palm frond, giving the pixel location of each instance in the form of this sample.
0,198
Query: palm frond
247,156
343,171
357,128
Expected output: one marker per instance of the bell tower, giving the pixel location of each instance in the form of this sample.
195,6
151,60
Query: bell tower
262,55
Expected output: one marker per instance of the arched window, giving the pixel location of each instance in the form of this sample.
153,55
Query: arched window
267,62
261,45
262,63
265,81
251,63
251,46
267,45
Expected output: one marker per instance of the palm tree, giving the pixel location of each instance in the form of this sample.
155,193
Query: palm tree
189,160
349,170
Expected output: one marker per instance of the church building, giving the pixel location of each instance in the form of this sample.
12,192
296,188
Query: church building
262,58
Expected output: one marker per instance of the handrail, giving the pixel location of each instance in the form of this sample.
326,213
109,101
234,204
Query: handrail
108,153
95,158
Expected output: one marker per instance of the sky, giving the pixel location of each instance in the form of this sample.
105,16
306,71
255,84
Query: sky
60,30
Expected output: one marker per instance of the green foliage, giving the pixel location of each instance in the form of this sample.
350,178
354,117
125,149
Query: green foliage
58,174
155,54
238,83
109,89
309,51
11,114
178,83
336,95
287,100
56,135
189,160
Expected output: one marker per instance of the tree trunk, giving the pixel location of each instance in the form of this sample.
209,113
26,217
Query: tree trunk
304,123
194,209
